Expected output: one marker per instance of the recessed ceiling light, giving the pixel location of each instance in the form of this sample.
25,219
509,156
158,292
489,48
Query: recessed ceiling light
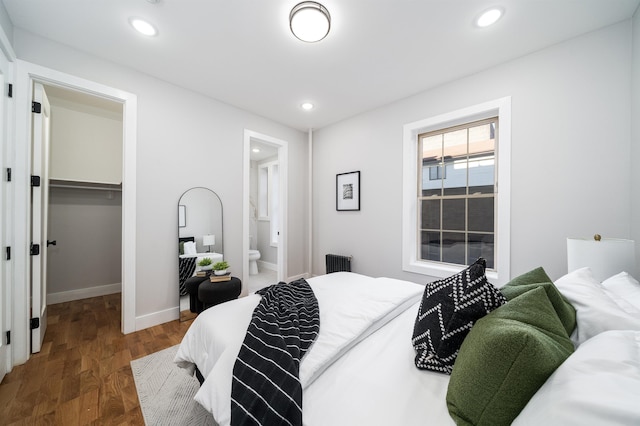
489,17
256,150
307,106
309,21
143,27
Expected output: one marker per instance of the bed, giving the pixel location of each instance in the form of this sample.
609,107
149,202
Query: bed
559,353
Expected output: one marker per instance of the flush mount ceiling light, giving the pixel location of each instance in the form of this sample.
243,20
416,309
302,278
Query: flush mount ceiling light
307,106
489,17
310,21
143,27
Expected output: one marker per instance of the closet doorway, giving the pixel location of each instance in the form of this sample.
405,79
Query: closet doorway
84,220
85,196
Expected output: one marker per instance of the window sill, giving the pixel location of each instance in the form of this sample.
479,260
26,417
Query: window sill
444,270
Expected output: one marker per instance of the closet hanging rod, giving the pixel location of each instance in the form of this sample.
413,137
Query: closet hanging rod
54,183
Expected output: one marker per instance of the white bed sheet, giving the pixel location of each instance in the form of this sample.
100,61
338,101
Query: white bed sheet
360,307
376,383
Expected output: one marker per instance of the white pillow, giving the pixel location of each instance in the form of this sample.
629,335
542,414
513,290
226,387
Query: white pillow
595,311
190,248
625,291
599,384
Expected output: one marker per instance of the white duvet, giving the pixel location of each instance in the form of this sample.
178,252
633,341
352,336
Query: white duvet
360,370
352,307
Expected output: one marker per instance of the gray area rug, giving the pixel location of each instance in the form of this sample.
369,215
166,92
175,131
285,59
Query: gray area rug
166,391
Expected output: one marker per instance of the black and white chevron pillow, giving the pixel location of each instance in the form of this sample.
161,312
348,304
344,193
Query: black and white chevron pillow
448,310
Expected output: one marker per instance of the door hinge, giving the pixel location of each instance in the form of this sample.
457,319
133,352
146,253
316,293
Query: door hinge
35,180
34,250
8,174
8,341
36,107
35,323
7,253
10,90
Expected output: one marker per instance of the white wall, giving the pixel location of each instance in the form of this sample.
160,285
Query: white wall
86,225
570,146
180,136
635,138
86,143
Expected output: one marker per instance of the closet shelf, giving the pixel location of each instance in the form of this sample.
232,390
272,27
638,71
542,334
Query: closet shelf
75,184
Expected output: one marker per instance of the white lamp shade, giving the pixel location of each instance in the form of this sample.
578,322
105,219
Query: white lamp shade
209,240
606,257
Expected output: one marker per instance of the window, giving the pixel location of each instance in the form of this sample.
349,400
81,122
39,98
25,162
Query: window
269,198
453,212
456,212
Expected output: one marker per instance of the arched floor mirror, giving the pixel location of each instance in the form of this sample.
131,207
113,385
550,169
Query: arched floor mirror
199,237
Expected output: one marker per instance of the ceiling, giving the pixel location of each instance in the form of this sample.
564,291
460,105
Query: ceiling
242,52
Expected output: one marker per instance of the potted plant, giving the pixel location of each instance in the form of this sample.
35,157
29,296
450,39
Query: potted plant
205,264
220,268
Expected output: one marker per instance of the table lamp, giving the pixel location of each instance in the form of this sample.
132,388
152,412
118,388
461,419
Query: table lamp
605,256
209,240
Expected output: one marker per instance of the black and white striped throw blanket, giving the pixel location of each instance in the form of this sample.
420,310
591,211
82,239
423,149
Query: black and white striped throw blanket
265,387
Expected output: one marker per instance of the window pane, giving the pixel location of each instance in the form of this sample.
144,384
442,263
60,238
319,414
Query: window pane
453,214
481,245
456,176
431,160
430,246
481,174
453,248
455,154
481,214
431,214
482,139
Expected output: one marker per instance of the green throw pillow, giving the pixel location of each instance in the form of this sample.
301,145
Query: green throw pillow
506,357
539,278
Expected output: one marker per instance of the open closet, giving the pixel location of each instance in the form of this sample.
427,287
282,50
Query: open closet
85,196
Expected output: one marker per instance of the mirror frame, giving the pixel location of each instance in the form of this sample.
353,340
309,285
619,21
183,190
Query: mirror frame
182,212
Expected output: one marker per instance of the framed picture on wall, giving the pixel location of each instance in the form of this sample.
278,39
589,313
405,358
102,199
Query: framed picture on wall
348,191
182,216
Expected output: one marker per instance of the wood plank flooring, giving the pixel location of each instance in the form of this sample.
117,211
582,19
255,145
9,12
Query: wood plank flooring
82,376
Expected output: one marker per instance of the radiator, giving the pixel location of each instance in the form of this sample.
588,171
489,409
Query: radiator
337,263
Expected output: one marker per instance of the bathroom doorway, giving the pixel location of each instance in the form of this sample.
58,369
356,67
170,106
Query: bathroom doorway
265,197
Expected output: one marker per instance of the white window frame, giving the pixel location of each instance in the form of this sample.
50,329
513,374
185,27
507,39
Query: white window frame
410,261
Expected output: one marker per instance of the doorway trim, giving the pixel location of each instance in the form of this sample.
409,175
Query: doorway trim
26,74
283,164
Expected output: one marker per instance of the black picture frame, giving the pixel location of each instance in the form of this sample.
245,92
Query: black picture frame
348,191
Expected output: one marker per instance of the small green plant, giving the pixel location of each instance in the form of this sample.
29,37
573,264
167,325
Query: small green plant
204,262
221,266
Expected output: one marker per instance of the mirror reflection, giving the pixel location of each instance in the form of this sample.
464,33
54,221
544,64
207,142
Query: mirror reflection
199,238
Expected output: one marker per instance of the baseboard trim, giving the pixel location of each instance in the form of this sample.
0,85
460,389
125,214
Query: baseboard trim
268,265
157,318
83,293
296,277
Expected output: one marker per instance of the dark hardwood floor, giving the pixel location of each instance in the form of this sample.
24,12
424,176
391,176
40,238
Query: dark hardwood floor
83,375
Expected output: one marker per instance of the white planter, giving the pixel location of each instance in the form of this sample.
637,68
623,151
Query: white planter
220,272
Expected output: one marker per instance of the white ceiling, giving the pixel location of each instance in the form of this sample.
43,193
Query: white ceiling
241,52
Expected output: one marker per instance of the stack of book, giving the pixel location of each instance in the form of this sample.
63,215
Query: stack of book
219,278
202,273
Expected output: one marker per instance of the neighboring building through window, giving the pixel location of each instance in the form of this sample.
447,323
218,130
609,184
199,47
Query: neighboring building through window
456,191
456,203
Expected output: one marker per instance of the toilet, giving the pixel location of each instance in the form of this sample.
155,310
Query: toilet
254,255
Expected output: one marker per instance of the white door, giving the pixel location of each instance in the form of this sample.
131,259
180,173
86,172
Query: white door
39,215
4,208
